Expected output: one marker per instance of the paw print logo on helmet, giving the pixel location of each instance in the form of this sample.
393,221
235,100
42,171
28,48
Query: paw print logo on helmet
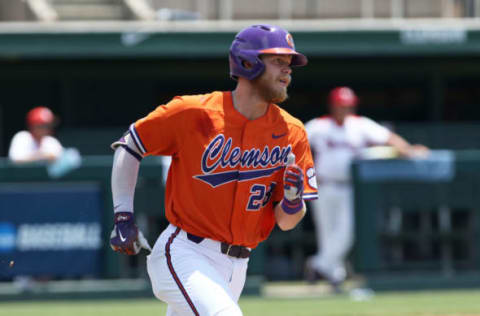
289,39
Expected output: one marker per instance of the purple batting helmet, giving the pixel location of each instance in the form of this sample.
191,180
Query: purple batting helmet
256,40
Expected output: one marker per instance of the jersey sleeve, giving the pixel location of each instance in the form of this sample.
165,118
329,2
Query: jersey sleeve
374,132
310,129
157,133
52,146
19,147
315,130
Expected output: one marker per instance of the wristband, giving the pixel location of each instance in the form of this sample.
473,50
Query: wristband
122,217
291,207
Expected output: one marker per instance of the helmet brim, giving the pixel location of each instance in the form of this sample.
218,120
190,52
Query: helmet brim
297,58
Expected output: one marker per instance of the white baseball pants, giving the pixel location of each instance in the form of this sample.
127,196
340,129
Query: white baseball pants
333,220
195,279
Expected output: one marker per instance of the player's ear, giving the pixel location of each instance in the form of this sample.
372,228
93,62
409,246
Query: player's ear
247,64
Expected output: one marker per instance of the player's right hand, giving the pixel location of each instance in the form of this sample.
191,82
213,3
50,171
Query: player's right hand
126,237
418,151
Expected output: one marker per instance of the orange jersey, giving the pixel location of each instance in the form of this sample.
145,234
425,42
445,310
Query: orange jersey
227,171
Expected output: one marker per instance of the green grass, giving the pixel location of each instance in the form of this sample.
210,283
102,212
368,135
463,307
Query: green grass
438,303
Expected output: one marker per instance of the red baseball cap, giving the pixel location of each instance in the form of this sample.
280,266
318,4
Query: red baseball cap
342,96
40,116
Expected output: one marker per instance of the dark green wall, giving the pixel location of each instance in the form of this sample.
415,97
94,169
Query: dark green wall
105,93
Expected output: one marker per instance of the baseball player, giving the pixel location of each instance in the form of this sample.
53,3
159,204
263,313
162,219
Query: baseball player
36,143
337,139
240,165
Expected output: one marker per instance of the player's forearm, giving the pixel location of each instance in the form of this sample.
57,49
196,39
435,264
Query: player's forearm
287,221
406,149
33,157
400,144
23,159
124,178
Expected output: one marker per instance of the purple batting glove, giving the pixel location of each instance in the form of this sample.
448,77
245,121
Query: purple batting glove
293,189
125,234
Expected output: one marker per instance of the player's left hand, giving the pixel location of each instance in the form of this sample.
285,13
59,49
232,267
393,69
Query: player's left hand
293,187
126,237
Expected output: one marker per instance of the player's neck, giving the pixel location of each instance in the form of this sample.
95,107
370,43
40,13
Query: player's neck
339,120
248,103
36,137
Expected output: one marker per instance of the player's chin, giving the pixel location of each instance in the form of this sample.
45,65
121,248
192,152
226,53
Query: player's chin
280,97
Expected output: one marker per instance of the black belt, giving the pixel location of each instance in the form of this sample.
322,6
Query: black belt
227,249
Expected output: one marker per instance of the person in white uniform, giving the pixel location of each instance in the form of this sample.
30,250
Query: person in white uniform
36,143
336,139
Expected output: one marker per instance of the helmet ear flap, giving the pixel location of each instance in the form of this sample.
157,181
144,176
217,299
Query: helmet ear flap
249,60
246,63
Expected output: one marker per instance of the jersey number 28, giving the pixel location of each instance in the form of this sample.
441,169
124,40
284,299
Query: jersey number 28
260,196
